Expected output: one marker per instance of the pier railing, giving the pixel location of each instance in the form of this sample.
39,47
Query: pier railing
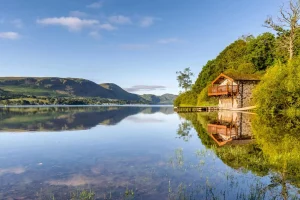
222,90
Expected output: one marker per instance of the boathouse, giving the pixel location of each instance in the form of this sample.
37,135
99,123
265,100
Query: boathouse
234,91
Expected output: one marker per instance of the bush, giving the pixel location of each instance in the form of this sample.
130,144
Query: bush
279,89
188,98
205,100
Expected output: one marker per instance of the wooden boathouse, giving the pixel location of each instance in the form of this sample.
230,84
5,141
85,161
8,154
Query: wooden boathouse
234,91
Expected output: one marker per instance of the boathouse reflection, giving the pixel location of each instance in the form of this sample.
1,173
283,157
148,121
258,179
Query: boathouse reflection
231,128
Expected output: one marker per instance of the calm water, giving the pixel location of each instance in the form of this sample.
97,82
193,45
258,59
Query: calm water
146,153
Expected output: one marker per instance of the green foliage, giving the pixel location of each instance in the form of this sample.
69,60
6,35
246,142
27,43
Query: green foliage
246,55
279,88
188,98
184,78
261,51
205,100
84,195
229,59
163,99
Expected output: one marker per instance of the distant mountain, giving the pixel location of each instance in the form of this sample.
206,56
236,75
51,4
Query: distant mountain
163,99
74,87
119,93
53,86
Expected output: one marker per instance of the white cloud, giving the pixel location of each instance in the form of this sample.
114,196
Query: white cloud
9,35
95,5
77,13
169,40
95,34
137,88
107,27
72,23
18,23
146,21
120,19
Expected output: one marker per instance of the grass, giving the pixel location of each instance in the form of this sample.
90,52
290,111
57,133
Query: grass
30,90
80,195
186,105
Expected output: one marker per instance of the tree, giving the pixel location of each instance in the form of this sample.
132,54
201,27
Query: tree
287,26
279,89
184,78
261,51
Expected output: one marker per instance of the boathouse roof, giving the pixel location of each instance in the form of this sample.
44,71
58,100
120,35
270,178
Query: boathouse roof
236,77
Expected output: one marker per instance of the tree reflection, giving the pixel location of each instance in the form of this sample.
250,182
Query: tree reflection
275,152
279,139
184,130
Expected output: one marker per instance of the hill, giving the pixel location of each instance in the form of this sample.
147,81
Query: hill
73,87
52,86
163,99
119,93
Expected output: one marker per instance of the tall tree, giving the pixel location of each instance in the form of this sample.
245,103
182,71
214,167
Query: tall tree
261,51
287,25
184,78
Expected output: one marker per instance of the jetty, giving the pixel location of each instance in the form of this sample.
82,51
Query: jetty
187,109
196,109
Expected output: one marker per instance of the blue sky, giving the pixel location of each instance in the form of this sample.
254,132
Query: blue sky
137,44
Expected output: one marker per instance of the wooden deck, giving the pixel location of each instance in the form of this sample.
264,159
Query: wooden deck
222,90
210,109
196,109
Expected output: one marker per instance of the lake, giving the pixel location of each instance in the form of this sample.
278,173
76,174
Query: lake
146,153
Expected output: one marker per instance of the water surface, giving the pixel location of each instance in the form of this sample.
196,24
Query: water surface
146,153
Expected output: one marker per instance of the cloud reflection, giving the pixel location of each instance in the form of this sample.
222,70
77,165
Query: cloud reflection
139,119
76,180
12,170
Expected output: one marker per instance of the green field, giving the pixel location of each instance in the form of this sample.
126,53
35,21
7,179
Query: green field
36,91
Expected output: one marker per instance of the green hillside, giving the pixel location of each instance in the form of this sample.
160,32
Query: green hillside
163,99
151,98
69,91
119,93
53,86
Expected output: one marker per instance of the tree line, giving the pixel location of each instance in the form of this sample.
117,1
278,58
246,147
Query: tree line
35,100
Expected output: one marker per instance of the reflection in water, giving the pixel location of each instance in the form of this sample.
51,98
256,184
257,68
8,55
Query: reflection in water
138,156
13,170
231,127
70,118
184,130
274,153
279,140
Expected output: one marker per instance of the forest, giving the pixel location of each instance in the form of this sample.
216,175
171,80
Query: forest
274,55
